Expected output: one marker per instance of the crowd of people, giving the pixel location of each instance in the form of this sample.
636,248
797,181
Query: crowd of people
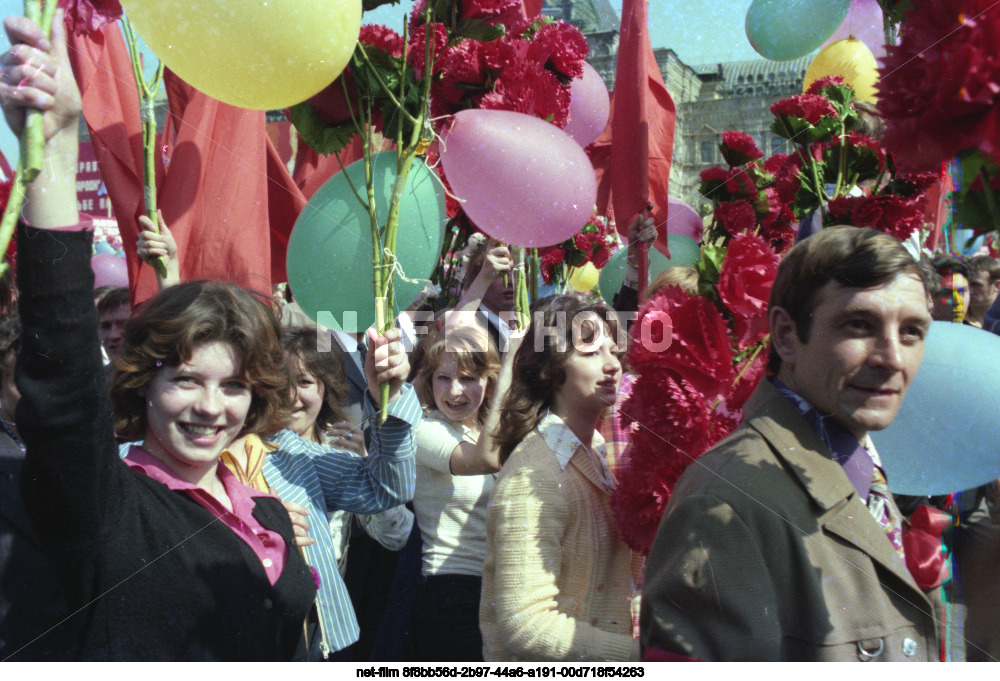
207,476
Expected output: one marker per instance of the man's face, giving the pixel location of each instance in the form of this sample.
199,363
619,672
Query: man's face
864,348
981,293
952,303
498,297
109,329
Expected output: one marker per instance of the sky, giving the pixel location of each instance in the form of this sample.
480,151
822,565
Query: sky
699,32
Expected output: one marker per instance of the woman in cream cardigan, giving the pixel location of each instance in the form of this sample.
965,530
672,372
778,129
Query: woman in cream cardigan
557,581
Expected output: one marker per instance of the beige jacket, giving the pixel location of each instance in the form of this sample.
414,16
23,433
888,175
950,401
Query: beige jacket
766,552
556,582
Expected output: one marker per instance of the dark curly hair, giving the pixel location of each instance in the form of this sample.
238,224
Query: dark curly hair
300,344
539,365
167,328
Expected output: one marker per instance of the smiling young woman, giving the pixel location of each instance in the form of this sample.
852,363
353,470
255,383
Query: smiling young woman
165,555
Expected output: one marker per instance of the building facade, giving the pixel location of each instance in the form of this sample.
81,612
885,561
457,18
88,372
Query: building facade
709,98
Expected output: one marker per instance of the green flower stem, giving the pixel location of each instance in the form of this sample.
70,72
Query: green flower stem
147,93
522,306
841,163
33,135
29,162
384,261
385,88
761,344
533,276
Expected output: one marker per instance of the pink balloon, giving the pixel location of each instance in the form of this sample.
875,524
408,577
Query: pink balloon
109,270
589,106
864,22
521,180
681,219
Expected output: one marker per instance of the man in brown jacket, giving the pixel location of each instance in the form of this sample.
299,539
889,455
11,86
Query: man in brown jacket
782,542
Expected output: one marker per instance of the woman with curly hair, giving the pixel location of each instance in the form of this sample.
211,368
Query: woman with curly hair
164,555
557,582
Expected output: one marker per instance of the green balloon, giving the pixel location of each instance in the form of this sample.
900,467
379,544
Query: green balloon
683,251
789,29
330,248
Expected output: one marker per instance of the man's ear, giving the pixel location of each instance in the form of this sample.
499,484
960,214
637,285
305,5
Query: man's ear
784,334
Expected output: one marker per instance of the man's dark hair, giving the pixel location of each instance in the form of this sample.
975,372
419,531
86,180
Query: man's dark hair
985,263
851,256
113,299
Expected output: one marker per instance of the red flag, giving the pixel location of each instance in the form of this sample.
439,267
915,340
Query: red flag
214,196
642,126
110,100
284,203
531,8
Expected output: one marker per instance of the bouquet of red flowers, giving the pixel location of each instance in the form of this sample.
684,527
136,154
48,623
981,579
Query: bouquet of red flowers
594,244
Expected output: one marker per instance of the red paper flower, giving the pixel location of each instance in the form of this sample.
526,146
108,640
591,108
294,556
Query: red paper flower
594,247
561,45
748,382
736,217
745,286
739,148
549,260
383,38
940,87
492,11
888,213
89,16
840,208
823,83
417,49
528,88
699,349
811,108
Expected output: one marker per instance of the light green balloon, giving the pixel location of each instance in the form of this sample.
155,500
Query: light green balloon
683,251
330,248
789,29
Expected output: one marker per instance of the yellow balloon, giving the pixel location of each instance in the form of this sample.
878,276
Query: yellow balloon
853,61
584,278
257,54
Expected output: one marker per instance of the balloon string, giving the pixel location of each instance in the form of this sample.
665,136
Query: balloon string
437,162
391,263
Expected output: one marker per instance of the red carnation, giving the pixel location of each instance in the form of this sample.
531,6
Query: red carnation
528,88
939,88
739,148
594,247
462,71
561,45
89,16
699,348
492,11
823,83
548,262
888,213
748,271
840,208
811,108
786,177
383,38
749,380
736,217
416,52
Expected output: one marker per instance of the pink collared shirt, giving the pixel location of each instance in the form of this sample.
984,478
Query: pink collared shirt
269,546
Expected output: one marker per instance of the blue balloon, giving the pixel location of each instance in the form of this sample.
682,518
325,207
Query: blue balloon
330,248
789,29
104,247
683,251
946,437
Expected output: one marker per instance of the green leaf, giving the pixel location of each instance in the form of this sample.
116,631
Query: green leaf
369,5
840,96
314,132
575,257
709,267
477,29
